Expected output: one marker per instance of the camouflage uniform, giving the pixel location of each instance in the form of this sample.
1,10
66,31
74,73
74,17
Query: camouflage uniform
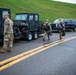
8,34
47,33
61,30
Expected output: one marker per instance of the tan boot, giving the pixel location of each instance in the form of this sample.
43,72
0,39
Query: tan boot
2,51
9,50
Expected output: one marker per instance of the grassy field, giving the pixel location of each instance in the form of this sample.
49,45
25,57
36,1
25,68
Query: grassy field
46,8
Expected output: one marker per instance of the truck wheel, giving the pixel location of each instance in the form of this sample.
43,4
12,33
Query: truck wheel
17,31
35,35
29,36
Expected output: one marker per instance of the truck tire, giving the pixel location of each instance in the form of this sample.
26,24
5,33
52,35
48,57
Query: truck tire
35,35
17,31
29,36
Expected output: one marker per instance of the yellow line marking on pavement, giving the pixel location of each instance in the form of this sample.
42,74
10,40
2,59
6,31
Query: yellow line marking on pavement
22,54
11,61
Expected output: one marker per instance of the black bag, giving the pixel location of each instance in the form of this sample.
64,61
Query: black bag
50,33
46,27
60,26
63,33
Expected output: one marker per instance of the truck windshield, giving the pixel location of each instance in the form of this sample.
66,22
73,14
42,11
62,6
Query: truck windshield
20,17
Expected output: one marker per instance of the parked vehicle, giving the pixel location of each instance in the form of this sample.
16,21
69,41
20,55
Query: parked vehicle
69,24
26,25
3,11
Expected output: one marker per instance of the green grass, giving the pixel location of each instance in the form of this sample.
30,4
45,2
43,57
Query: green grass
46,8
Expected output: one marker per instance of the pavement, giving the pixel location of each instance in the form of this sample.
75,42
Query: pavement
59,59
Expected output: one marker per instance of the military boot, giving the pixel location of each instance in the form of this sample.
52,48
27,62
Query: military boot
60,37
48,38
43,39
2,51
9,50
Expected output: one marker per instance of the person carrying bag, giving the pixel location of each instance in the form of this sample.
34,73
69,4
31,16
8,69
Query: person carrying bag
61,28
47,30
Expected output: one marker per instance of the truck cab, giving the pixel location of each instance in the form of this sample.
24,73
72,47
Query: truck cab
27,25
3,11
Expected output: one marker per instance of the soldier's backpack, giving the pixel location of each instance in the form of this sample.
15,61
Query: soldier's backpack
60,26
46,27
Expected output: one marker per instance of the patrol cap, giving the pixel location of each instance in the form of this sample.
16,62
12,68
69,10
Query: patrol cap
47,20
7,14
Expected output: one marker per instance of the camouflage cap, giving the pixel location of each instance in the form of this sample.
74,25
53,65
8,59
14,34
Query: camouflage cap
47,20
6,14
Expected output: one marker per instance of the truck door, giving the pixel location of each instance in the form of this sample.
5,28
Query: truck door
31,22
36,21
3,13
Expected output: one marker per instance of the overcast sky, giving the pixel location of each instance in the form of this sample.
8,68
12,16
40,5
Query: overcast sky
69,1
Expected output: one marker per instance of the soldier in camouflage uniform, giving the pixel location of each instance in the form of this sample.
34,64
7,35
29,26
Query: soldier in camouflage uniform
8,34
61,28
47,29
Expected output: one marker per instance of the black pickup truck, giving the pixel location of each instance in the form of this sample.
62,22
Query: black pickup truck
69,24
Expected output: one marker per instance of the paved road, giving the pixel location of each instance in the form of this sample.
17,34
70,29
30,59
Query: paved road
57,60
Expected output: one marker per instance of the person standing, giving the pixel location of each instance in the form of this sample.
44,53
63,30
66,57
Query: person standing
47,29
61,28
8,34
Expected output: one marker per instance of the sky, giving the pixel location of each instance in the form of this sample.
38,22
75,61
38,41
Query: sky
68,1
